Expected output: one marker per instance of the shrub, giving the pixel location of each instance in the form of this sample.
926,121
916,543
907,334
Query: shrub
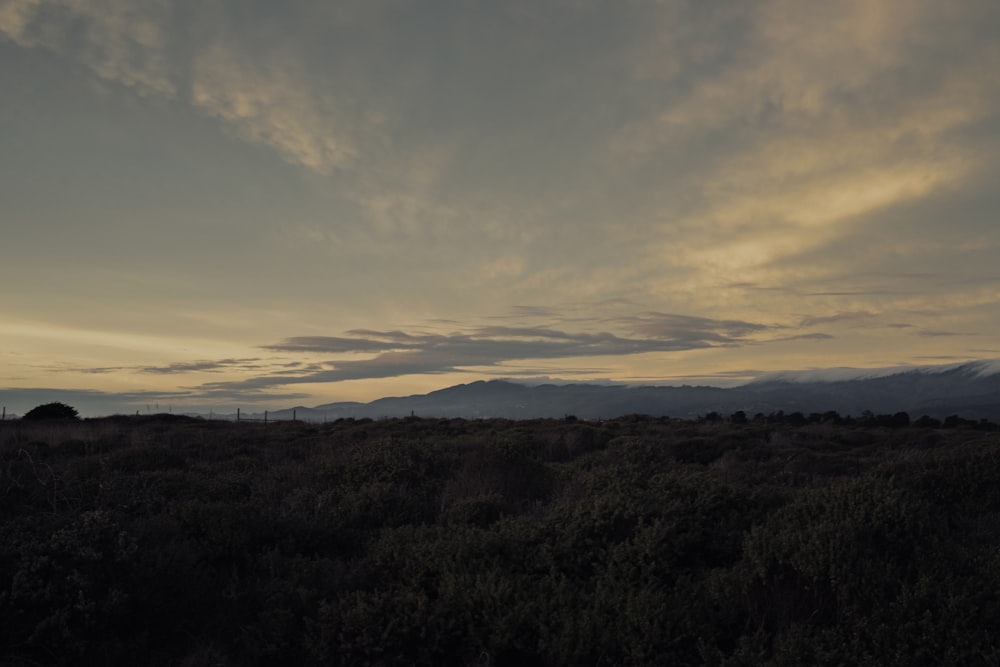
51,412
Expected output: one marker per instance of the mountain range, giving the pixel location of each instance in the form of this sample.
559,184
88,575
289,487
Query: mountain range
970,390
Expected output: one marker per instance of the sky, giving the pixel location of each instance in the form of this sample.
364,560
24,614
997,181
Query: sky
210,204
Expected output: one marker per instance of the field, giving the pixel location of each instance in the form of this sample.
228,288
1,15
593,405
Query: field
163,540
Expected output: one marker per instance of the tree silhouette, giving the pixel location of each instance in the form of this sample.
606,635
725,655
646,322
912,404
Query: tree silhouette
52,411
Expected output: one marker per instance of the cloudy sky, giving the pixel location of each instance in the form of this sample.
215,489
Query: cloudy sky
220,203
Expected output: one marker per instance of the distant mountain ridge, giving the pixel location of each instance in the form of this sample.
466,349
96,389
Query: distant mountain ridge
970,390
981,367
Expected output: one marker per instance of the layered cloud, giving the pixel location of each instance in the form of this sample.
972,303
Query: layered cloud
702,181
500,349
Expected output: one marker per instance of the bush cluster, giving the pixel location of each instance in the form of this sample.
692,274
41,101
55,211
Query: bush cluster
636,541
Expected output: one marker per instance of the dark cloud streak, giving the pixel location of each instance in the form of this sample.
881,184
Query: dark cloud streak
204,366
402,353
838,317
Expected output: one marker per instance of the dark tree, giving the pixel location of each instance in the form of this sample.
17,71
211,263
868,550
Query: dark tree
927,421
832,417
796,419
954,421
52,411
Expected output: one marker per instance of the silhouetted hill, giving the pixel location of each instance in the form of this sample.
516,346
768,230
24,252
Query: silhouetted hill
971,390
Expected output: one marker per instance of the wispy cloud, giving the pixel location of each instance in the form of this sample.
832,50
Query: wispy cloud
266,100
851,316
121,41
260,93
821,116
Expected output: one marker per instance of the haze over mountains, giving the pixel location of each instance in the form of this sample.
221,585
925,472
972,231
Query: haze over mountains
970,390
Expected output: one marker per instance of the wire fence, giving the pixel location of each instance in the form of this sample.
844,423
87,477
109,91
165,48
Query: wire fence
265,419
240,417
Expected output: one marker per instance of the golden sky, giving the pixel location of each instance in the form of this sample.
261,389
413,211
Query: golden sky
215,204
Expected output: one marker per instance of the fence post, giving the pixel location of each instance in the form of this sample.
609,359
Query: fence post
293,416
265,416
237,414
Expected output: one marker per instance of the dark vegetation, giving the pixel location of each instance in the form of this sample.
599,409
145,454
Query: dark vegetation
52,412
736,540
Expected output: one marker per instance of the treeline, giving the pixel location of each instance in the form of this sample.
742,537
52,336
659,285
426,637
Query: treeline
868,419
636,541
